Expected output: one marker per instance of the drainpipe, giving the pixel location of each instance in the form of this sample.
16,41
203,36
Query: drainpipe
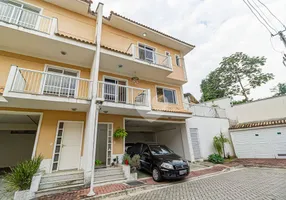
94,107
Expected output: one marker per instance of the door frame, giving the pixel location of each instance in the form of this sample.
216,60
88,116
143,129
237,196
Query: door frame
108,123
55,142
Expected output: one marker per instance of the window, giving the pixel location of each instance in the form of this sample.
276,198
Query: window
16,12
60,82
166,95
115,90
146,53
178,62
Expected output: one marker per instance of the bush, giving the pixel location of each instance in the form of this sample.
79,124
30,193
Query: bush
215,158
21,176
98,162
135,163
126,159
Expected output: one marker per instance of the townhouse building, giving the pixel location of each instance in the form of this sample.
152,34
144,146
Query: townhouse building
70,77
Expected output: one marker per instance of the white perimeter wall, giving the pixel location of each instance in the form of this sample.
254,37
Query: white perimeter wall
15,148
207,129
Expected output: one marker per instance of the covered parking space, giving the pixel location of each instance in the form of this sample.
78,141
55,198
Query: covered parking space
173,134
18,133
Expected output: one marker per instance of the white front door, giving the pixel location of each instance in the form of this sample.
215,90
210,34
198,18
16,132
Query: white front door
68,146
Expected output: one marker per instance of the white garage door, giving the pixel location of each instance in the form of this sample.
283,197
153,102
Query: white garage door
260,143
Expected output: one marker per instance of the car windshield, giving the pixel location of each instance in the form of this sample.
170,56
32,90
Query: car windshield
160,150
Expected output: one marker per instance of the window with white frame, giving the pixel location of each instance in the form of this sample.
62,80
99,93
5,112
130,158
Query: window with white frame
166,95
178,61
146,53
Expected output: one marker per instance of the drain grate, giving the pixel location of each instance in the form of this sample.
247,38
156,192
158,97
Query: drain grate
134,183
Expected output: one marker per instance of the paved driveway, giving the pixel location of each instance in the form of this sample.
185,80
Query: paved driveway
251,183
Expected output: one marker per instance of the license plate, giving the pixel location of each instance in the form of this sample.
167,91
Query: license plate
182,172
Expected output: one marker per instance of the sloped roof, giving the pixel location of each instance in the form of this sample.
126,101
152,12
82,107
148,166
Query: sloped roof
271,122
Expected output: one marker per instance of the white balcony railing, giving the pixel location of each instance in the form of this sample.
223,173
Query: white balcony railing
43,83
123,94
150,56
24,18
206,111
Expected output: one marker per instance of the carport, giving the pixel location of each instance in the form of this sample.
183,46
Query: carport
170,133
17,137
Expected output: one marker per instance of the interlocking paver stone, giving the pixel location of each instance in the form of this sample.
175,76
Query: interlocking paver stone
250,183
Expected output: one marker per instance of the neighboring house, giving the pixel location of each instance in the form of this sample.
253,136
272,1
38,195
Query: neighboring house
69,73
259,130
207,122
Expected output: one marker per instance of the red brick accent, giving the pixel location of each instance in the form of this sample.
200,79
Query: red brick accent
275,163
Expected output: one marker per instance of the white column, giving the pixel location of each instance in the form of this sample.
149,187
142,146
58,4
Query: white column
10,79
91,118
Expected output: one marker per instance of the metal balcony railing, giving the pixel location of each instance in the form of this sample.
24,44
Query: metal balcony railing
44,83
25,18
206,111
150,56
123,94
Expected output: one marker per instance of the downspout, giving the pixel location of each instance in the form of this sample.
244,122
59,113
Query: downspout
94,107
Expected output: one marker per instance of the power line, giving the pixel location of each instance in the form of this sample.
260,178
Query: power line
272,14
261,17
257,17
267,20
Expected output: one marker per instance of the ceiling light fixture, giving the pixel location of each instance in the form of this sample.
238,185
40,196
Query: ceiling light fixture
144,34
63,53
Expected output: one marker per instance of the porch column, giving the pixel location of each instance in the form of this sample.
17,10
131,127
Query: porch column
92,117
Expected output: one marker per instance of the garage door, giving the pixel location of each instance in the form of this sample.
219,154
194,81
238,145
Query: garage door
260,143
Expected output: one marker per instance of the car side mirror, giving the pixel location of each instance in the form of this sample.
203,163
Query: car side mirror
147,154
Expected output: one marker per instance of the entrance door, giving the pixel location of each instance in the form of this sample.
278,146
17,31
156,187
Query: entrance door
104,144
68,146
195,143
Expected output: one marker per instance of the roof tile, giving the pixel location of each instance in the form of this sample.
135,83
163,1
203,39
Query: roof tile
259,123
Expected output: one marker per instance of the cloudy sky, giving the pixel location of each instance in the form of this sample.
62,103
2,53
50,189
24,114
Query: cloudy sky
218,28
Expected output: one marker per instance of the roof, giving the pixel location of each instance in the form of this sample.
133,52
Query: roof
87,1
173,111
92,43
132,21
271,122
191,98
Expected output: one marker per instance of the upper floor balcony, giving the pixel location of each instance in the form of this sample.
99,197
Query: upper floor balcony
51,89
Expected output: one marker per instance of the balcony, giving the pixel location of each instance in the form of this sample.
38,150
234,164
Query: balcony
39,89
206,111
19,16
147,64
117,98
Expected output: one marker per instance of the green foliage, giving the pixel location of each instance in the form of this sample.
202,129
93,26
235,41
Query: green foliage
215,158
219,142
126,159
280,89
120,133
21,176
98,162
236,75
241,101
135,162
211,87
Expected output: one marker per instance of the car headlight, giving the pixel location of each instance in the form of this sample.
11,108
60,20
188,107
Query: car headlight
167,165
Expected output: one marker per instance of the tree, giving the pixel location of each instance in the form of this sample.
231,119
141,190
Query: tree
211,87
236,75
240,73
280,89
219,144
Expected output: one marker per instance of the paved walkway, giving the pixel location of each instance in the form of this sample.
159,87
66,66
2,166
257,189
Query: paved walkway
244,184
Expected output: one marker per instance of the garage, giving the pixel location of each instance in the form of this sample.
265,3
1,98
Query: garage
257,140
169,133
17,137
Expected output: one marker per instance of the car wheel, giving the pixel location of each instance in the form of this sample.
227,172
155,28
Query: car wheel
156,174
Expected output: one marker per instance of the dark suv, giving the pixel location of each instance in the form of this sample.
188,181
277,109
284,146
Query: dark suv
159,160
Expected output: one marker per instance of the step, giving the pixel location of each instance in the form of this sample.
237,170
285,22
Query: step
61,176
101,181
112,173
56,184
109,178
59,190
108,169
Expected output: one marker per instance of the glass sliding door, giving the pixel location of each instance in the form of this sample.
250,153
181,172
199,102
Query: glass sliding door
114,90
